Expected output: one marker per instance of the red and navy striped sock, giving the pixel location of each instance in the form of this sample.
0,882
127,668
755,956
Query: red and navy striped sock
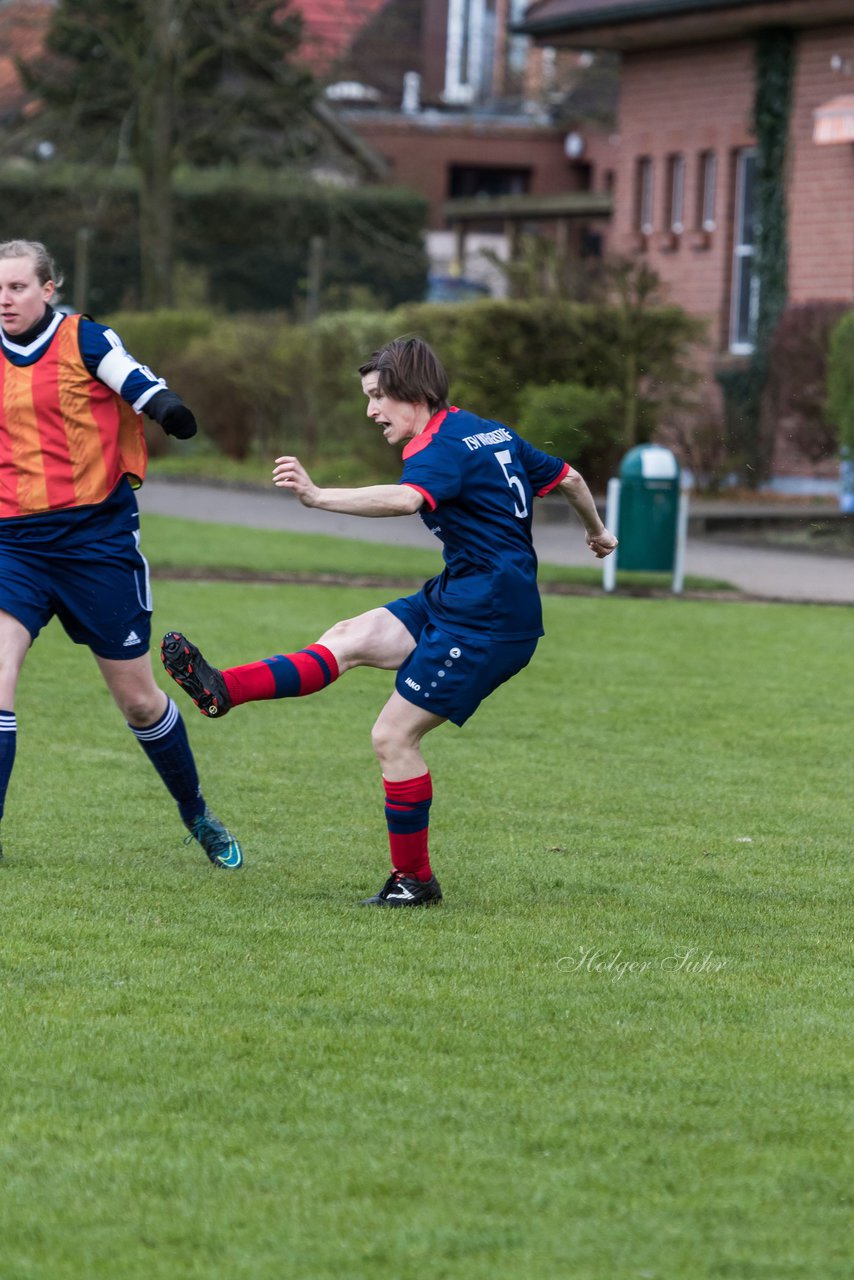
287,675
407,811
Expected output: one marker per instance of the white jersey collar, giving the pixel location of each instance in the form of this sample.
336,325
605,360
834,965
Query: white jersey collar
43,338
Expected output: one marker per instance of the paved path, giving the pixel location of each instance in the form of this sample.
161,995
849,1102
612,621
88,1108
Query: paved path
761,571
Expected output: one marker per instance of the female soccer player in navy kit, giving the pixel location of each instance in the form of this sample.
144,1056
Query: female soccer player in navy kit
463,634
71,448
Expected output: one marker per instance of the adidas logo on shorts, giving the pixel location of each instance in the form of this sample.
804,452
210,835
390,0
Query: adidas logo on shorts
132,638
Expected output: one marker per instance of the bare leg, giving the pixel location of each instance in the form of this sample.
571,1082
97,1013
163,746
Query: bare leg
396,738
373,639
133,687
15,641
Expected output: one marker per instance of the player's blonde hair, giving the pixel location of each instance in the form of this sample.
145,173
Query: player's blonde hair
44,263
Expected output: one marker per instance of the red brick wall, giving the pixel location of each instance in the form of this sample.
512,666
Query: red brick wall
684,101
690,100
821,187
421,152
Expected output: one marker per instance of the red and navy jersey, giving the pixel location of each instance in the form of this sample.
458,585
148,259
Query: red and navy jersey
479,480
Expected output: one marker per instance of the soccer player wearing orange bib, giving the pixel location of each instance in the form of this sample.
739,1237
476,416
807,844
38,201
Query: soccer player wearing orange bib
72,450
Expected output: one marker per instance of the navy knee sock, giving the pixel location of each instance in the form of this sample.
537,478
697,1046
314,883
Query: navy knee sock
168,748
8,743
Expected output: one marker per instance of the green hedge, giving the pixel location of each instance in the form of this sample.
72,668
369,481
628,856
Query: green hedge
244,234
495,349
795,397
158,337
563,374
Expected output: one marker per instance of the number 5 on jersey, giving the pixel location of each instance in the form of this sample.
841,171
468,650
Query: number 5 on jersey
504,457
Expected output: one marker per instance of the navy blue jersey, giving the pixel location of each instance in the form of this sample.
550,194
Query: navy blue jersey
479,480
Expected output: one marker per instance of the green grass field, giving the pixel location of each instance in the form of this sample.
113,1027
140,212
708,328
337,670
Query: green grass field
228,549
617,1052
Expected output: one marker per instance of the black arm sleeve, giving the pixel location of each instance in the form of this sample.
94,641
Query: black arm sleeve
169,410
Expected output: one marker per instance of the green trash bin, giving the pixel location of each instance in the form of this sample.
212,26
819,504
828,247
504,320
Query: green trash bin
650,483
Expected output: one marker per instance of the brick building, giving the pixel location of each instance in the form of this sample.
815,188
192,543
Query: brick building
452,99
681,164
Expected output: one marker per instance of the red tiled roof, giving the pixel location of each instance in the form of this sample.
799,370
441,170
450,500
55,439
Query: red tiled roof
331,26
22,30
329,29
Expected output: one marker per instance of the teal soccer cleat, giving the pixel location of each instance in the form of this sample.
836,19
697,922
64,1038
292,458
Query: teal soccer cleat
219,844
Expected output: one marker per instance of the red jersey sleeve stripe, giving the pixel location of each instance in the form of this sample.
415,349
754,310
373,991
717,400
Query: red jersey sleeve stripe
428,497
564,471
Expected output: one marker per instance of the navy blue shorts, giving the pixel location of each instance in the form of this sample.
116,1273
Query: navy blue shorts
448,674
86,568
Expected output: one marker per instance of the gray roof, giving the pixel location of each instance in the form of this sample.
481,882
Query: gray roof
564,15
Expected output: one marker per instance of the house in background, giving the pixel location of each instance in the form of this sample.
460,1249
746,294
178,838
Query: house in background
458,105
436,95
339,155
680,165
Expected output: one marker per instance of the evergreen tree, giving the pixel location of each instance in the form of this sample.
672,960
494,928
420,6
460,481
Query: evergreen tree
155,83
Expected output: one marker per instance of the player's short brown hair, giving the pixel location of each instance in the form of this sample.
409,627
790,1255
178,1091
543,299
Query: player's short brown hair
409,370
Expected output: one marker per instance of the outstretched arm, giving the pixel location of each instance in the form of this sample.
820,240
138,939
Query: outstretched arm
574,489
107,360
369,500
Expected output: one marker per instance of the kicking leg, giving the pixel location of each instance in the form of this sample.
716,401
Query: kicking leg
373,639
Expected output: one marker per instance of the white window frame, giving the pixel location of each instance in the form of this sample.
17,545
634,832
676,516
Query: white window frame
743,251
464,51
676,194
645,193
708,190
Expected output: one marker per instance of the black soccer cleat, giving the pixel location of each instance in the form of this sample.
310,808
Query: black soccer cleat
196,677
404,891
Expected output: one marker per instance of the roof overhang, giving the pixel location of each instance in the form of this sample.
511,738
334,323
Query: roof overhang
569,204
834,121
623,25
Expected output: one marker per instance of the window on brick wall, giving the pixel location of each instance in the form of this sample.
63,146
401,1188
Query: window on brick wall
643,195
745,284
675,212
707,181
468,180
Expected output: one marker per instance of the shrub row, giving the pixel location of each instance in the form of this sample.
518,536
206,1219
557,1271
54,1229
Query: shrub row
796,392
571,377
242,236
566,375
